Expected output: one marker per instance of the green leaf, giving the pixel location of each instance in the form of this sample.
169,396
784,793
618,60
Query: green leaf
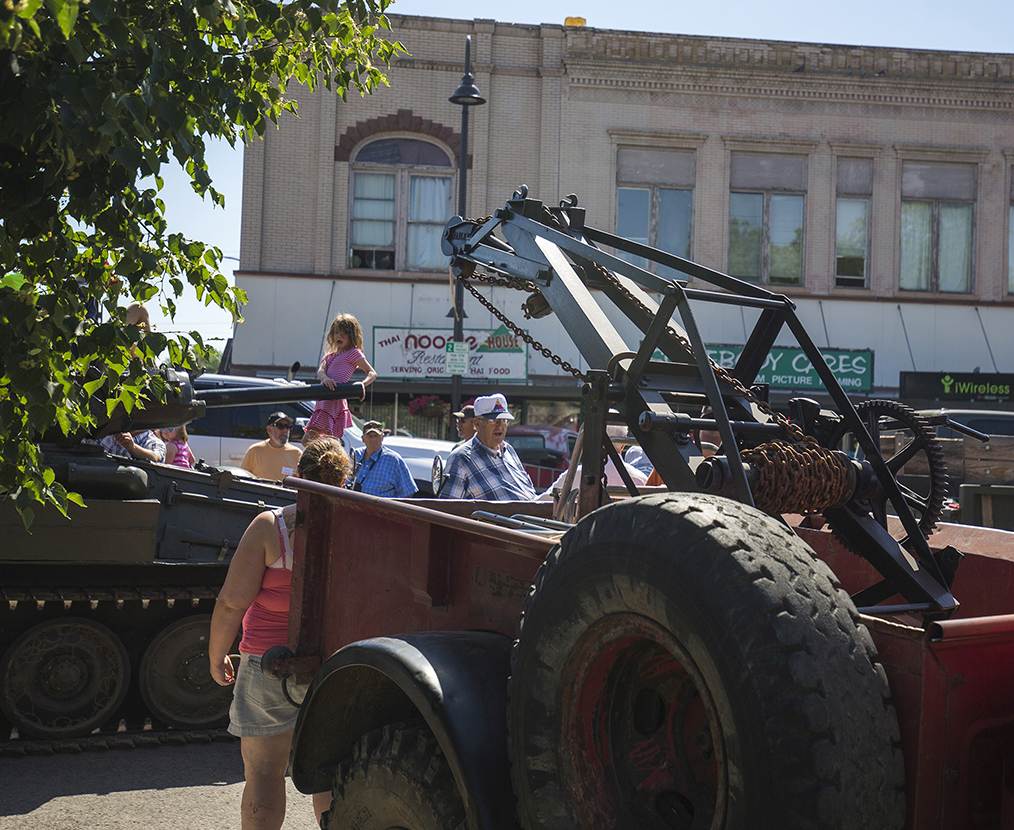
75,498
93,386
65,12
14,280
48,476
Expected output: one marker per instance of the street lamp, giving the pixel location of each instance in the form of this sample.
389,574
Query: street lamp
465,96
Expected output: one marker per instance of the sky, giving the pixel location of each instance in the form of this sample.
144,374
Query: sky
976,26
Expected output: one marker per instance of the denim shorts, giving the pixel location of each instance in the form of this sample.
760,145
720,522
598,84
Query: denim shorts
259,706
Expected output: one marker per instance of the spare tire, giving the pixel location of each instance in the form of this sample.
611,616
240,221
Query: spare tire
686,661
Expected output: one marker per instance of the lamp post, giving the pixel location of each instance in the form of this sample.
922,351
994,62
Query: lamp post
465,96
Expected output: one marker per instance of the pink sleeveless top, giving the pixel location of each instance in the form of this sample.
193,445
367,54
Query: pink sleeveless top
333,417
184,458
266,621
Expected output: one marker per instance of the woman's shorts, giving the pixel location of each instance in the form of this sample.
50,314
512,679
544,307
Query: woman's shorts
259,706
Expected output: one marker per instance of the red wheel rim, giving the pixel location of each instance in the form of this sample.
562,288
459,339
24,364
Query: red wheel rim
642,737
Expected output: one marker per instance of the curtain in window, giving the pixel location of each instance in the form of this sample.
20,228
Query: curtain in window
373,210
916,245
785,239
746,218
955,252
850,238
633,219
428,211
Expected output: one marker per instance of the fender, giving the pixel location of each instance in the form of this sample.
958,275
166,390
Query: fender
456,682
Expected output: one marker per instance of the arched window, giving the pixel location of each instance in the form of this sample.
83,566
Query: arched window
401,200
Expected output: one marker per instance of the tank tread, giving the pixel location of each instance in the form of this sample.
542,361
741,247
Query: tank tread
94,596
118,740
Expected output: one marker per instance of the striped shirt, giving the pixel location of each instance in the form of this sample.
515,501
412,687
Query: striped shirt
384,473
474,471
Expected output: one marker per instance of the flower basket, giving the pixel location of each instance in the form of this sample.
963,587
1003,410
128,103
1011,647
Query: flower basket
428,406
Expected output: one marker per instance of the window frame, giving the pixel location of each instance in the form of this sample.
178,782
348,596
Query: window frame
935,204
403,174
654,209
867,253
764,277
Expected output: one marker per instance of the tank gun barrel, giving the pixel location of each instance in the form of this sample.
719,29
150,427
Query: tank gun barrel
250,395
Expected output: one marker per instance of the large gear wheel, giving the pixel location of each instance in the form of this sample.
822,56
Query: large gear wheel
882,416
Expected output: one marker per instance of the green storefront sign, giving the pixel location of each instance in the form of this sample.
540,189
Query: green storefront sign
789,368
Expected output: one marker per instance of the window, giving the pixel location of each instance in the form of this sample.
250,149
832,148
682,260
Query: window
401,199
1010,240
936,226
654,201
766,206
852,223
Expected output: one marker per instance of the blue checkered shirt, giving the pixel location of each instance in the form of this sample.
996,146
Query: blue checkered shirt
474,471
384,473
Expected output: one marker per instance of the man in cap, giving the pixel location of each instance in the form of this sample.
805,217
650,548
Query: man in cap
380,471
274,458
465,422
486,467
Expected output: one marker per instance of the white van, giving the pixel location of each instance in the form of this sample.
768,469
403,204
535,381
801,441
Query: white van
222,436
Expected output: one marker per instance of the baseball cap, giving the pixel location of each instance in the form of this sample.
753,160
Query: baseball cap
275,417
374,426
467,411
492,408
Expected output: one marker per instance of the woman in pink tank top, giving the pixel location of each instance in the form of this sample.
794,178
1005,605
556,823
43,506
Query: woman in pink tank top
255,597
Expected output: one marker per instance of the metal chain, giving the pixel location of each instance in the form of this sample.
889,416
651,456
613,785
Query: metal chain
796,476
547,353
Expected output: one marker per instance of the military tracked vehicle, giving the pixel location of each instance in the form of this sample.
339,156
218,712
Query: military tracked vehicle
104,616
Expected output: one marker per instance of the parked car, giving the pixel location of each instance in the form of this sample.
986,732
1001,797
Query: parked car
544,450
222,436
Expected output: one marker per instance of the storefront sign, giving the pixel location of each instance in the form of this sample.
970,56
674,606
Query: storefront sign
958,386
411,353
789,368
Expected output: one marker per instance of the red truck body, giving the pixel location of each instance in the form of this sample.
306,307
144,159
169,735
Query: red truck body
367,567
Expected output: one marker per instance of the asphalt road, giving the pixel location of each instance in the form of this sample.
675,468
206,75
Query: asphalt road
195,787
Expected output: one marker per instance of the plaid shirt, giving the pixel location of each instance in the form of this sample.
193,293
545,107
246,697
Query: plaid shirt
474,471
384,473
147,439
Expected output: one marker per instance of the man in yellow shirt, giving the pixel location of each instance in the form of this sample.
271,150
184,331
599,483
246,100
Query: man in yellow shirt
274,458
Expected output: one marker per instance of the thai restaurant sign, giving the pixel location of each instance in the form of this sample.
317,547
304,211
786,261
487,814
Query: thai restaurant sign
420,354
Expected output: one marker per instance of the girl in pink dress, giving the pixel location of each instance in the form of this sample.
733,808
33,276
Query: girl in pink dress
343,356
177,447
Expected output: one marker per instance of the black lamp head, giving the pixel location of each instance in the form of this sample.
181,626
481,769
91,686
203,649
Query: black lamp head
467,94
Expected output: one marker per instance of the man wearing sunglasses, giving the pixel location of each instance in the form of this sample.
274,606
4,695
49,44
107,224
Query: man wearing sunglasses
274,458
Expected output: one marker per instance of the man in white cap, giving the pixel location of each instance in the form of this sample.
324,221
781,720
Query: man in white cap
486,467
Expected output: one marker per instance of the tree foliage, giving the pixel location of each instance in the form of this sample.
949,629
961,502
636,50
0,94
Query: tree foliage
97,97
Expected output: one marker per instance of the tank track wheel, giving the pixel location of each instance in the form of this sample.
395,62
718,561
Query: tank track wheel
63,678
890,416
174,679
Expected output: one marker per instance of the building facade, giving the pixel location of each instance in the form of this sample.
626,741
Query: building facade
871,185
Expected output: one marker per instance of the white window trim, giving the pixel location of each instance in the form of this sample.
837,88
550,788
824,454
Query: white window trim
402,173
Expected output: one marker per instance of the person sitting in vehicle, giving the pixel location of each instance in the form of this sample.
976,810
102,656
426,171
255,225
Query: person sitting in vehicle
274,458
464,420
617,434
380,471
486,467
142,444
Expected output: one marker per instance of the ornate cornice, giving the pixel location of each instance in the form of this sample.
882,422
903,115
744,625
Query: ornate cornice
796,86
594,45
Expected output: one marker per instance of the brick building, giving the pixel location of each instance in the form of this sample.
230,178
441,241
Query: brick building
872,185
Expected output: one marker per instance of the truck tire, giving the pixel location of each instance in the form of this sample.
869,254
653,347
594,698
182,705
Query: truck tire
686,661
397,777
